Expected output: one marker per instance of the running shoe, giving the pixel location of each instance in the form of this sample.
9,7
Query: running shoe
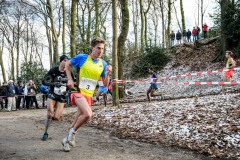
72,137
65,144
45,136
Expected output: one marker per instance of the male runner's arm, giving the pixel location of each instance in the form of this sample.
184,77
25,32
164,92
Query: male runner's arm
107,78
48,78
69,75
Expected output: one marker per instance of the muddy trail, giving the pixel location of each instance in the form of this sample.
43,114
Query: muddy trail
21,132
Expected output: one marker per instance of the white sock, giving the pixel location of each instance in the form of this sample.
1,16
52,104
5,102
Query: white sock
72,131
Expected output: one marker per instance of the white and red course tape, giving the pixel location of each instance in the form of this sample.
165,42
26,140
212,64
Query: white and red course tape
202,83
187,75
186,83
200,73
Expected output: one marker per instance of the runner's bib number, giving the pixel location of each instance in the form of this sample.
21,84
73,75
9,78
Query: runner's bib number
60,91
88,84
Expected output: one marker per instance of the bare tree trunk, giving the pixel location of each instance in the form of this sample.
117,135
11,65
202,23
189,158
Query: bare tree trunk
142,25
64,25
135,24
73,28
203,11
224,41
50,51
163,23
9,33
89,24
18,52
122,39
54,33
31,39
182,14
169,22
198,12
49,38
180,28
114,54
12,61
202,14
1,63
155,17
27,40
96,31
81,23
145,21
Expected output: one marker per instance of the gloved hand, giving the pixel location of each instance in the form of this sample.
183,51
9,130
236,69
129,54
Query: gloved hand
57,84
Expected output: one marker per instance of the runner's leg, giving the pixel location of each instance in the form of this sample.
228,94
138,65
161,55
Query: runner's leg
148,96
153,94
105,99
83,115
79,112
86,111
58,111
97,95
225,79
50,113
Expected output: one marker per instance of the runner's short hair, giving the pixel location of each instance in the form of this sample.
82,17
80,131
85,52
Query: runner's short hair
63,57
229,53
97,40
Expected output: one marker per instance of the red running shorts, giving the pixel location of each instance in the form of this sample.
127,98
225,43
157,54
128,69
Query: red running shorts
79,95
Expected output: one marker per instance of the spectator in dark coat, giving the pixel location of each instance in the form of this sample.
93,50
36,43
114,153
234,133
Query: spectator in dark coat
11,96
179,37
184,35
2,94
19,92
172,36
198,33
189,35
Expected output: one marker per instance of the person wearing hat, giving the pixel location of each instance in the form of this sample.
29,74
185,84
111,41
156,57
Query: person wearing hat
10,94
56,79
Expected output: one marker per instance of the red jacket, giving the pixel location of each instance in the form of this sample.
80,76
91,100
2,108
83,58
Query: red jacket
194,32
205,28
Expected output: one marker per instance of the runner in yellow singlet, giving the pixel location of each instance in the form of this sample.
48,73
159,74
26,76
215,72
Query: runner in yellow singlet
91,68
230,64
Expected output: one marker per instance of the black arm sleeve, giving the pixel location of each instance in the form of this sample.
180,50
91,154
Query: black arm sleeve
48,79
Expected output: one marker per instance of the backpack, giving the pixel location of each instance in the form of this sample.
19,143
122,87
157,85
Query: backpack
44,89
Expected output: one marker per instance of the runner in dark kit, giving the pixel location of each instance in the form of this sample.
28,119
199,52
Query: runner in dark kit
56,79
